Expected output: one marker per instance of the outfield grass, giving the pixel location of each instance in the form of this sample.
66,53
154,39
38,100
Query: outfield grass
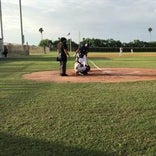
85,119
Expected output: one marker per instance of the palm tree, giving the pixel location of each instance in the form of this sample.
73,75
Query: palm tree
150,30
41,30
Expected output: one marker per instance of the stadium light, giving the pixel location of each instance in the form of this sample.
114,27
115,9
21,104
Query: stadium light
21,22
1,22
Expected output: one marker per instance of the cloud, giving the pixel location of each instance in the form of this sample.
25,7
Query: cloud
124,20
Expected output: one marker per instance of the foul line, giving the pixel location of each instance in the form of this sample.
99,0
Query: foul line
95,65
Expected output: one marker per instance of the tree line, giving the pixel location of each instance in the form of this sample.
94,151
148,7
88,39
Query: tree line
99,43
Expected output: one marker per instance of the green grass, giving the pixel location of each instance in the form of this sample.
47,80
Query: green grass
69,119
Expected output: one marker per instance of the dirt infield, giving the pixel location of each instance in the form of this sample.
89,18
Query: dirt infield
105,75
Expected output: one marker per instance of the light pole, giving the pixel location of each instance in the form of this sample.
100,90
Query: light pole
21,23
70,45
79,38
1,38
1,21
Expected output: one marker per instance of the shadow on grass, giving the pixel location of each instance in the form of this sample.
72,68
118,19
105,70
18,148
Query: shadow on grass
14,145
30,58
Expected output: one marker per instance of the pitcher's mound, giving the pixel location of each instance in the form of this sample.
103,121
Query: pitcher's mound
103,75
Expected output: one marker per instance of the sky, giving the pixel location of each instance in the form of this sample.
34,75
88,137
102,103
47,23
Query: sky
124,20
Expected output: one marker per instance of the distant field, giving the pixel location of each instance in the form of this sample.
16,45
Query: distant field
71,119
108,54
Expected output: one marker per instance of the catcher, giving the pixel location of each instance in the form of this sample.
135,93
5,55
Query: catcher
81,66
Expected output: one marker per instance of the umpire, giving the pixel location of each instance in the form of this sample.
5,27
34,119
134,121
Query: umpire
63,53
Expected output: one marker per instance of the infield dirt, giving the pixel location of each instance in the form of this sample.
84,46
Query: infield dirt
105,75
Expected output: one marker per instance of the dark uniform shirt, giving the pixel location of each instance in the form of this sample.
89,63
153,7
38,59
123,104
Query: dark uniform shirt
82,51
61,47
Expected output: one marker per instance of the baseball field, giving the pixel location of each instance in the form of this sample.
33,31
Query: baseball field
111,111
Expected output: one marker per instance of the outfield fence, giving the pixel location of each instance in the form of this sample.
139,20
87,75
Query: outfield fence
125,49
17,50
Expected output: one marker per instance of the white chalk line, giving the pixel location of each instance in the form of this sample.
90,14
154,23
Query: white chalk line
104,72
109,72
95,65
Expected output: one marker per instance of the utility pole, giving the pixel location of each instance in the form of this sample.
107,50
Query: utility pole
21,23
79,36
70,45
1,38
1,21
